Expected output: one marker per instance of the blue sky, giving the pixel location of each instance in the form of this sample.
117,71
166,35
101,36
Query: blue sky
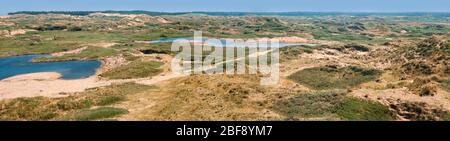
229,5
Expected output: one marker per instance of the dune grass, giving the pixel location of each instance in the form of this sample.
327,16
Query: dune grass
293,52
12,47
331,77
446,84
91,53
332,105
98,113
136,69
160,48
50,42
209,97
45,42
360,109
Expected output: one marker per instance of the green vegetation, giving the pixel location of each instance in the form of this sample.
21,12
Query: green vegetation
292,52
446,84
50,27
99,36
18,46
48,42
426,30
341,37
422,16
232,97
359,109
56,34
41,108
27,109
90,53
309,105
58,41
426,57
2,27
446,117
332,105
99,113
420,111
160,48
332,77
136,69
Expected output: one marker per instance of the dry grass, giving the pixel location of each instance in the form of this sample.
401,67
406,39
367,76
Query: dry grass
331,77
331,105
206,97
136,69
41,108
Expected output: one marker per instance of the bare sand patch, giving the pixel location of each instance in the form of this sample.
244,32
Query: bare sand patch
103,45
34,76
7,23
45,84
79,50
11,33
75,51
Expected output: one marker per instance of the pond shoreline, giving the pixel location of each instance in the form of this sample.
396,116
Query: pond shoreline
76,69
50,84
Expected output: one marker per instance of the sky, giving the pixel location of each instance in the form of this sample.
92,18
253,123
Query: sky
228,5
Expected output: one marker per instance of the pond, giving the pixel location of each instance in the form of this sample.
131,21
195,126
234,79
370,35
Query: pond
11,66
223,42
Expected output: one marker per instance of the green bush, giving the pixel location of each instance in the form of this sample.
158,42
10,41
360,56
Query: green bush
308,105
360,109
99,113
292,52
331,105
331,77
108,100
357,47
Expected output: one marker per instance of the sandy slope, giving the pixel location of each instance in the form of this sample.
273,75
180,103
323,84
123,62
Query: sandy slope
34,76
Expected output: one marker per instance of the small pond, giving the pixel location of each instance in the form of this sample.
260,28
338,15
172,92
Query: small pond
11,66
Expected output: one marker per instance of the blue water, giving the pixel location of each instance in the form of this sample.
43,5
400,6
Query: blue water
12,66
222,42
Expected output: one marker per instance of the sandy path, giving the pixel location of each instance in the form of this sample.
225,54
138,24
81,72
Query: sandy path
103,44
159,78
217,65
79,50
75,51
34,76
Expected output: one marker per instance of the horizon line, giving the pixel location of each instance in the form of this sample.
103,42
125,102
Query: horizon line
237,11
